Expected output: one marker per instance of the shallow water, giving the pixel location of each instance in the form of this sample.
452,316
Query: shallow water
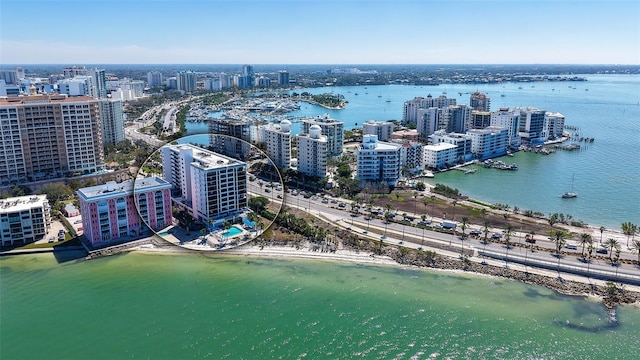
202,306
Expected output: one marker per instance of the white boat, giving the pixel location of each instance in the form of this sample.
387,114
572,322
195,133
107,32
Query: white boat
570,194
428,174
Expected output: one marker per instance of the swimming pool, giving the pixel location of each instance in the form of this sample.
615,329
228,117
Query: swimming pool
233,231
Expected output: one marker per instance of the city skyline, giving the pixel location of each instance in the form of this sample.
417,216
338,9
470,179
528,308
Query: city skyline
314,32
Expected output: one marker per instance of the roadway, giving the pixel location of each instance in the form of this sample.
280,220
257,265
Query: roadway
453,245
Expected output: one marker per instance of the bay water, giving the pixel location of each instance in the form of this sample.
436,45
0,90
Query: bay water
169,306
606,172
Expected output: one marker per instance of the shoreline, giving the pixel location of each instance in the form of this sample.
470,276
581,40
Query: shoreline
627,295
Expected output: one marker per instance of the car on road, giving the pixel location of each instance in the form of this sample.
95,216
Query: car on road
571,246
279,196
52,239
325,201
342,205
496,236
602,250
475,232
267,190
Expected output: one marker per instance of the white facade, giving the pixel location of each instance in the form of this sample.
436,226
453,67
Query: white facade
77,86
428,120
411,107
333,129
210,185
383,129
277,138
510,120
186,81
461,141
378,161
313,152
532,125
554,124
112,117
411,153
24,219
439,156
488,142
154,78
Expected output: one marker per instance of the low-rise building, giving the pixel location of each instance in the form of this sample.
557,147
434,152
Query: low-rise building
440,155
115,212
24,219
410,135
461,141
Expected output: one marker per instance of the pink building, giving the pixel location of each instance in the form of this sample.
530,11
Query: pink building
109,212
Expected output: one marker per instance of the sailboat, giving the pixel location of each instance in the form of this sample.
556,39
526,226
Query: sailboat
570,194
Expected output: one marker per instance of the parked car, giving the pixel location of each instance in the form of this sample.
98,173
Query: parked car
52,239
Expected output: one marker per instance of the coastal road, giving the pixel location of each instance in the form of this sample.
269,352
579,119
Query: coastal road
413,237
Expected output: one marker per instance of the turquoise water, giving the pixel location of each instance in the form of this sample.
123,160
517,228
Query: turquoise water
232,231
203,306
607,171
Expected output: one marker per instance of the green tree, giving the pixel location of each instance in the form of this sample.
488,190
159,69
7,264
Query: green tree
56,192
636,247
611,243
629,229
602,229
465,221
559,237
553,219
585,239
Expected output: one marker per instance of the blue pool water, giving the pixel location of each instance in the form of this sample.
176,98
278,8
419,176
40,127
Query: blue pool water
232,231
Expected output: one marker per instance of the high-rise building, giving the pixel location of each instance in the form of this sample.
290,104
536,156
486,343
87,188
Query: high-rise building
461,141
333,129
480,102
510,120
283,78
277,139
455,118
99,83
20,72
115,212
58,136
172,82
80,85
428,120
154,78
9,76
112,118
378,161
186,81
312,152
24,219
211,186
236,143
226,80
411,107
488,142
73,71
554,124
411,153
480,119
383,129
532,125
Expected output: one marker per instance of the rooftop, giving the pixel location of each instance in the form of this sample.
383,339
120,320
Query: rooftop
113,189
41,99
21,203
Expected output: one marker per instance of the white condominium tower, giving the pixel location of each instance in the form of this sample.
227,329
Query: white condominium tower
112,117
277,138
209,185
378,161
383,129
312,152
24,219
333,129
46,137
510,120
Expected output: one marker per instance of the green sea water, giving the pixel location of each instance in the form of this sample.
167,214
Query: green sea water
158,306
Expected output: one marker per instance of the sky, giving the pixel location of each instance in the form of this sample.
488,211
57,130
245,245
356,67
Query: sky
319,32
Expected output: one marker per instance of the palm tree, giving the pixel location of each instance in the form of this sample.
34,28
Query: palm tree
602,229
636,246
507,238
485,230
425,201
611,243
629,229
559,240
424,218
585,239
415,203
465,220
453,216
